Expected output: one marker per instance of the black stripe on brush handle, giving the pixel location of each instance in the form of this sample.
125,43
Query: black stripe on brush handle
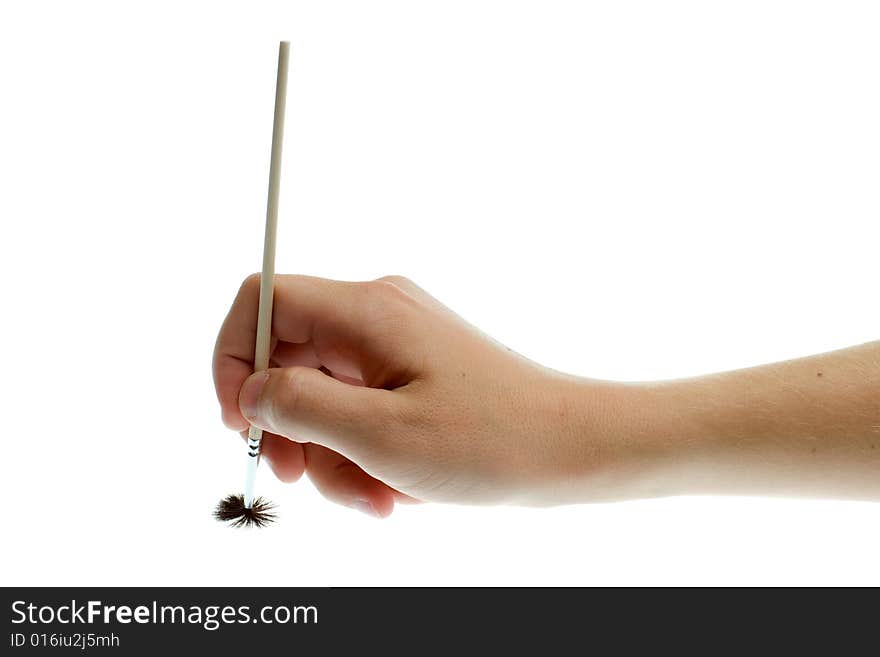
254,446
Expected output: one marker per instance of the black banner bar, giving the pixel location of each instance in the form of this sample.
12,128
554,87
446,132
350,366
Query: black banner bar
410,621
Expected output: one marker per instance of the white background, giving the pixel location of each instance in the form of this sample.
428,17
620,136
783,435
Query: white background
623,190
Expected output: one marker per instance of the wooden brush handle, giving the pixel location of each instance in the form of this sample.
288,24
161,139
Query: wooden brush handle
267,275
267,278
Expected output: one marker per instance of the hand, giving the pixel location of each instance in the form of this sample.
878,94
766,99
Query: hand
382,394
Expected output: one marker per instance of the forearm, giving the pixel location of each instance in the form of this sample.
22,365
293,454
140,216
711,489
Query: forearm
807,427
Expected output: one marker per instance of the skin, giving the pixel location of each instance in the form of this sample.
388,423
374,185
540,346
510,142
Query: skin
382,395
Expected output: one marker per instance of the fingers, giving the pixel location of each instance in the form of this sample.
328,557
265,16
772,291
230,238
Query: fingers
336,346
304,308
335,477
306,405
285,457
354,329
234,352
288,354
343,482
229,374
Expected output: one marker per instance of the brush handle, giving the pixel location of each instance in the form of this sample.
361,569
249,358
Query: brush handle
267,275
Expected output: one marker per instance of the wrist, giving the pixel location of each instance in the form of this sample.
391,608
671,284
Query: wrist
612,441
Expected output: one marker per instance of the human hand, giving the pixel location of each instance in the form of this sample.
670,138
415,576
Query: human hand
382,394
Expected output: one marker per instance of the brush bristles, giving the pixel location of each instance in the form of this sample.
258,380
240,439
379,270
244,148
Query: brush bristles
231,509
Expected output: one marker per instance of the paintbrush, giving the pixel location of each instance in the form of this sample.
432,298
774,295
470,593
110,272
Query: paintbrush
246,510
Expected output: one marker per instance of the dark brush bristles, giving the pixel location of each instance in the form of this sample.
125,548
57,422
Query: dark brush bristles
231,509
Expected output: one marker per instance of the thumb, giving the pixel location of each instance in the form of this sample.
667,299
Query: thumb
306,405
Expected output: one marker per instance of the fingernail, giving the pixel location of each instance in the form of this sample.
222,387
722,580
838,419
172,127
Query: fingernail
365,507
250,393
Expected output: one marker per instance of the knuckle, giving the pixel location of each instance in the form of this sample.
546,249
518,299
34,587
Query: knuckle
381,288
387,298
397,280
381,300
